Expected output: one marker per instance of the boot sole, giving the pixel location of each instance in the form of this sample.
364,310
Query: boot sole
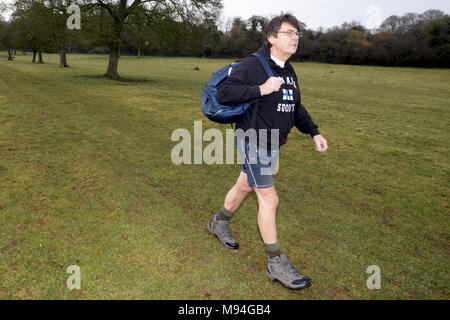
287,285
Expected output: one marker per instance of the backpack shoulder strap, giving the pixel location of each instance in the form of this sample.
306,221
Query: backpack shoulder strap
269,72
265,64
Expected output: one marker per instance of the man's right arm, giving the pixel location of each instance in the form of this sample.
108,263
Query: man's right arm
237,89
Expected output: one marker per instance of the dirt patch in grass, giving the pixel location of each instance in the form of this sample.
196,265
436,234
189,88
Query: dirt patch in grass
13,246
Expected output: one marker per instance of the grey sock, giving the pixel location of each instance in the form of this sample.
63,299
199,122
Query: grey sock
273,249
224,214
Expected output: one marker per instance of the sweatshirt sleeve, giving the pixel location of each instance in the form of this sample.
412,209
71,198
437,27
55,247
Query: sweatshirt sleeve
303,121
237,88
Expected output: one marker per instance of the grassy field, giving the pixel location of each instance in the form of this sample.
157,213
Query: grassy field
86,179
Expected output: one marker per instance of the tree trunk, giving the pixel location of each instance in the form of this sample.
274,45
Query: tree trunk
10,58
62,57
34,56
139,52
40,56
112,73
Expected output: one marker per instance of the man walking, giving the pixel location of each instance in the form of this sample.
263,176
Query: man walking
275,106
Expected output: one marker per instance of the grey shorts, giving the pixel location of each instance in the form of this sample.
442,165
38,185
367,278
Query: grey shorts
259,163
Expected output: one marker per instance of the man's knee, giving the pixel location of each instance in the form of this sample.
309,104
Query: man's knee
269,199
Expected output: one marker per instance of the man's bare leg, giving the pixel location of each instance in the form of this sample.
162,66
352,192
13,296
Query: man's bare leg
278,266
220,223
237,193
268,204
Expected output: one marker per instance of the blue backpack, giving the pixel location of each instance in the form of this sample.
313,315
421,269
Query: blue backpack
216,111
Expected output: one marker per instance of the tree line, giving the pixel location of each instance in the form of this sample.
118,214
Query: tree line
191,28
421,40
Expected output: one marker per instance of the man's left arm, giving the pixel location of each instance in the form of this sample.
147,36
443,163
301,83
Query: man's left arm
304,123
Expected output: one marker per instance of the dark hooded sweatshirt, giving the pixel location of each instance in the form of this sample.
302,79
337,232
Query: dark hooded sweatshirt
279,110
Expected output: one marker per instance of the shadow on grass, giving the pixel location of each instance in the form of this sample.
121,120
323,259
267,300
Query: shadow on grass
121,80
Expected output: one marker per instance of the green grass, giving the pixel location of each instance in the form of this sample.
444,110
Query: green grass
86,179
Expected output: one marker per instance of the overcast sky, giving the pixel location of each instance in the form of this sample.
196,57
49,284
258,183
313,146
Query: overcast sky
328,13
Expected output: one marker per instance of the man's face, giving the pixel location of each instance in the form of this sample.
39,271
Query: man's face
284,45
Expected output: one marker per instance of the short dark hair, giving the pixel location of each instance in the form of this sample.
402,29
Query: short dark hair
274,26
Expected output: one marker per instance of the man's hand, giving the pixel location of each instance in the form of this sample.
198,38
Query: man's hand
272,84
321,143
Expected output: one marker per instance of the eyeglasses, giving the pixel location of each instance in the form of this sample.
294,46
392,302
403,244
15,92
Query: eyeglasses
291,33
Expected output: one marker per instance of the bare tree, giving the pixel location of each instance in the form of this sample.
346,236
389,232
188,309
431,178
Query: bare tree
110,18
